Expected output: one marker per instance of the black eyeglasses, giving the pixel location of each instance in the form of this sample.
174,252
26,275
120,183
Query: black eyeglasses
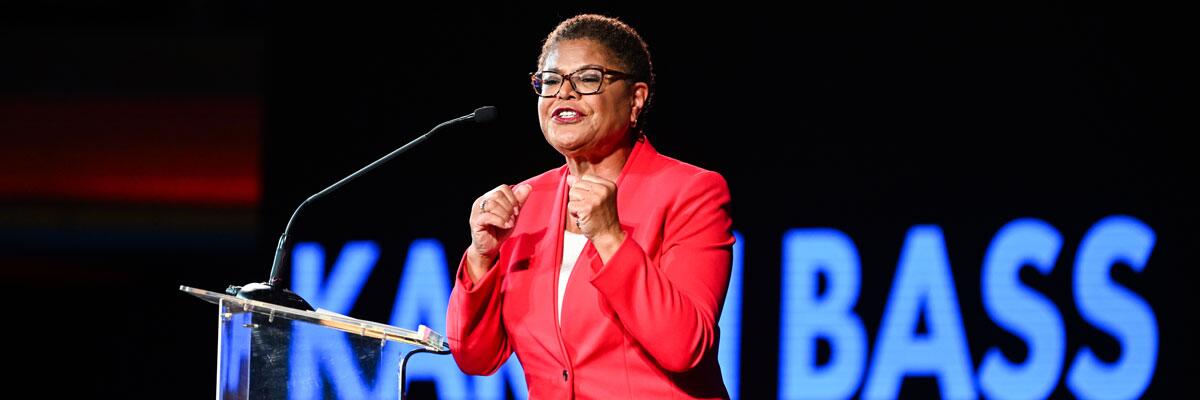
587,80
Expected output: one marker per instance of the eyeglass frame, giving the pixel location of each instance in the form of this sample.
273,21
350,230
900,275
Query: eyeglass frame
604,71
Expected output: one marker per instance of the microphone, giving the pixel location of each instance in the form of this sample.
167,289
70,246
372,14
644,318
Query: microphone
275,289
484,114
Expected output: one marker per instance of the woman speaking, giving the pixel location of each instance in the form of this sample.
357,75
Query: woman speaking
606,276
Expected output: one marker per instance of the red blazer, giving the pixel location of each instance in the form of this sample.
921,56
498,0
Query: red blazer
642,326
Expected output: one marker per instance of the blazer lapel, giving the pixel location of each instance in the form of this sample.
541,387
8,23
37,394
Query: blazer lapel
551,246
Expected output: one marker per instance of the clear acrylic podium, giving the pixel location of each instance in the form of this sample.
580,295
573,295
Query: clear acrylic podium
264,350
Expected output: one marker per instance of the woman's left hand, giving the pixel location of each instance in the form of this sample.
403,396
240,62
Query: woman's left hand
592,200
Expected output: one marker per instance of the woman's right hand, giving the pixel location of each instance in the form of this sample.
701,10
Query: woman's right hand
493,217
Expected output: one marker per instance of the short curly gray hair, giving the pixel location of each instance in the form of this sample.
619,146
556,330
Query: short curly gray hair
622,41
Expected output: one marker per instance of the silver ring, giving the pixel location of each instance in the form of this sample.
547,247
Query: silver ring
483,204
579,223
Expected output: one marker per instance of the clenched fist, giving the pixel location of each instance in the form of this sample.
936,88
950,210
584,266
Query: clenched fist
493,217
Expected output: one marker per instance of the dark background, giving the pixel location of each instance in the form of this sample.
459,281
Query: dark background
148,145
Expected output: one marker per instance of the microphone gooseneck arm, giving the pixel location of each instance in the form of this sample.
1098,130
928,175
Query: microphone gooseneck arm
275,289
277,266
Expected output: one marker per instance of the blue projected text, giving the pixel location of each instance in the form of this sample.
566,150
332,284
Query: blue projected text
820,285
923,287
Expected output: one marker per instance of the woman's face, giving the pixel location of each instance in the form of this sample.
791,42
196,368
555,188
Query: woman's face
593,124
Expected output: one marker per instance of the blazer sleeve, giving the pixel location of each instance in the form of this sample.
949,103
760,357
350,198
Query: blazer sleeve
474,326
671,306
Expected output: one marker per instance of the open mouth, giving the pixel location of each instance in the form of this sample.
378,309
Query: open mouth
567,115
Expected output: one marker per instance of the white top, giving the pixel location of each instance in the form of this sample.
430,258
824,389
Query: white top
572,247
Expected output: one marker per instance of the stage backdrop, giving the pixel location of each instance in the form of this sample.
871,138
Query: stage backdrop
967,206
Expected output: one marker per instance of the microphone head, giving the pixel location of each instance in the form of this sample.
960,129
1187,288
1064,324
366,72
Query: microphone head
484,114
